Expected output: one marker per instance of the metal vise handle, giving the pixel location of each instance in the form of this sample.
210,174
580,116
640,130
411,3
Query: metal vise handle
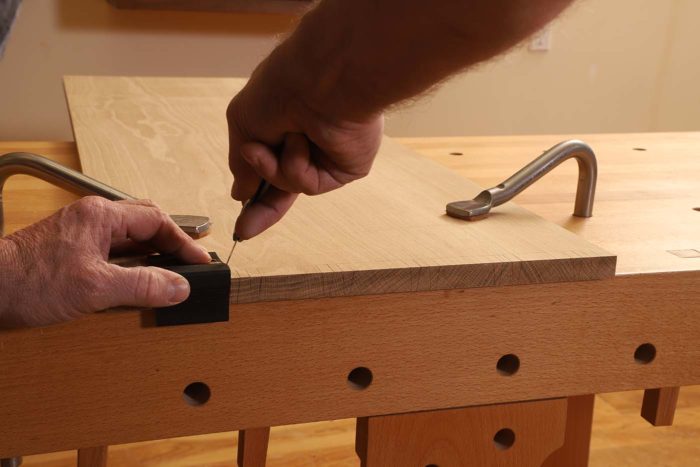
76,182
480,206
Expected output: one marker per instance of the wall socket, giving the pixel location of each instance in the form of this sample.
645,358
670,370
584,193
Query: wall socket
542,40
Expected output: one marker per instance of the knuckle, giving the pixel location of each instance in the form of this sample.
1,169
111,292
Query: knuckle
304,184
163,217
89,206
309,188
230,110
149,203
233,112
146,287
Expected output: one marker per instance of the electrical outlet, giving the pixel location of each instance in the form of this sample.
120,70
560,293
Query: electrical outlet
542,41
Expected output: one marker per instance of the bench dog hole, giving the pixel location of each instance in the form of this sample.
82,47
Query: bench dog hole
504,439
196,394
645,353
360,378
508,365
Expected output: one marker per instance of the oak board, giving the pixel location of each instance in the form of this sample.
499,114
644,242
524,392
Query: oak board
166,139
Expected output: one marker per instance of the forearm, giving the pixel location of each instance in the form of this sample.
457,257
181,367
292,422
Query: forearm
355,58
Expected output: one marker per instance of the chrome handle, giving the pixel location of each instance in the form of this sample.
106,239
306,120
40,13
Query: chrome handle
79,183
480,206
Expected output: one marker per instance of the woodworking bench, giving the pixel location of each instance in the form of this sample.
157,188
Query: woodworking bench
452,343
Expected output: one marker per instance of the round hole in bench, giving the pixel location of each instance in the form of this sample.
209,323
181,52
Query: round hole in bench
455,153
196,393
508,365
645,353
504,439
360,378
639,149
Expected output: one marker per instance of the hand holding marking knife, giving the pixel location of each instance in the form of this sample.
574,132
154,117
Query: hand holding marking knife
259,193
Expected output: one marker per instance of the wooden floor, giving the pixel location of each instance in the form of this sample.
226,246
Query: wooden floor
620,438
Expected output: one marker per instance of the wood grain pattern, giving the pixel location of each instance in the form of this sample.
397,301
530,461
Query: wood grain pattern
471,437
648,185
288,362
166,139
659,405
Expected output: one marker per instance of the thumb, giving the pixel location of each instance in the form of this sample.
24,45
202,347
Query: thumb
143,286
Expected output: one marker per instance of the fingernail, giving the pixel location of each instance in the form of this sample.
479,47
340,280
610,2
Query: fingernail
205,251
178,290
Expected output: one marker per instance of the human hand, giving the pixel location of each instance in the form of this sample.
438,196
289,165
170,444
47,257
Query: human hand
57,270
277,135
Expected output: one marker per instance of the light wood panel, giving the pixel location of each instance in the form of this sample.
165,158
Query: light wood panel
166,139
648,185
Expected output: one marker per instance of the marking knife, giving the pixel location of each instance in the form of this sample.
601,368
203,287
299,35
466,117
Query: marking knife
259,193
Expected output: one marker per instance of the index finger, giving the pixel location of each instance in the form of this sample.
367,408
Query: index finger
144,223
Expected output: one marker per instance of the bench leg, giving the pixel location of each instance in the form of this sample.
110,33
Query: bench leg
252,447
659,405
520,434
11,462
92,457
577,441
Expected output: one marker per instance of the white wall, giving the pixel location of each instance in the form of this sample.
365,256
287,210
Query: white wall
622,65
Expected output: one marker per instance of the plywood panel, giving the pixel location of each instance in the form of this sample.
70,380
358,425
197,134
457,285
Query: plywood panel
166,139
